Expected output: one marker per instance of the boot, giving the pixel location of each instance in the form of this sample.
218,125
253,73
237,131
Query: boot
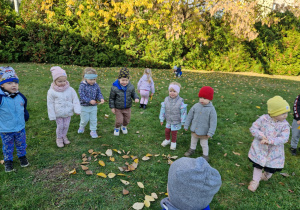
253,185
141,105
8,166
59,142
145,106
293,151
189,152
205,157
23,161
66,140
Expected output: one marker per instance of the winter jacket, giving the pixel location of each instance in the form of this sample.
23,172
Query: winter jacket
271,155
12,113
143,84
174,114
203,119
167,205
62,104
121,97
296,108
89,92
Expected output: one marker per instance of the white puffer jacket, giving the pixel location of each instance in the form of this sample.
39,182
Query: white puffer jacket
62,104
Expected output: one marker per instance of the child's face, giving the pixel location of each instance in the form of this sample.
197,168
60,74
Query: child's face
173,93
91,81
61,81
281,117
11,87
124,81
204,101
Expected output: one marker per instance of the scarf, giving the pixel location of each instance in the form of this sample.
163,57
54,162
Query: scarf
12,95
60,89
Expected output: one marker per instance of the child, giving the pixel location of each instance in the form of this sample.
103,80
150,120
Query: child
13,115
145,85
178,71
62,102
295,126
271,131
203,117
120,100
192,184
90,93
174,111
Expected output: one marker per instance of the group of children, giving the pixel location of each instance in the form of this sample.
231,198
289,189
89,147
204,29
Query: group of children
271,131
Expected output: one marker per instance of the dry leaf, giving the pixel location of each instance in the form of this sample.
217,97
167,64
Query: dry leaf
1,162
106,116
124,182
95,153
105,145
112,159
103,154
225,154
102,175
121,174
84,167
125,156
291,191
91,151
111,175
145,158
101,163
128,152
149,198
154,195
131,168
170,162
149,155
108,152
236,153
281,183
84,163
136,160
157,155
120,168
140,184
84,159
73,171
125,192
138,206
237,165
89,172
133,157
174,157
89,158
147,203
83,155
137,132
285,174
242,184
134,164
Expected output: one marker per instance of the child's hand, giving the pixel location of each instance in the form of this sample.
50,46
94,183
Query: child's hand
161,123
298,122
152,94
101,101
113,110
264,141
208,136
93,102
136,100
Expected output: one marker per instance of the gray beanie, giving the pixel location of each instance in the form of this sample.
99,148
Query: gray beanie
192,183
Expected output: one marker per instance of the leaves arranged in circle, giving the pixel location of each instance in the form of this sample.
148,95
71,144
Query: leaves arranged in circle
102,175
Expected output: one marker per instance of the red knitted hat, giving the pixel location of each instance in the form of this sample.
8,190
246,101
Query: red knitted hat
206,92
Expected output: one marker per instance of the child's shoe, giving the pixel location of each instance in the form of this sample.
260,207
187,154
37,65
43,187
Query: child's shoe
293,151
189,152
81,130
206,157
173,146
145,106
165,142
9,166
94,134
141,105
264,177
124,129
117,131
253,185
66,140
23,161
59,142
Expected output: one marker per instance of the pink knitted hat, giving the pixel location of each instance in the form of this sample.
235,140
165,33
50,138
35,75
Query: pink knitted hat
57,72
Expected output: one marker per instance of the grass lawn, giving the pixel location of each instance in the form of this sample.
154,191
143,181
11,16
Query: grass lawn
239,100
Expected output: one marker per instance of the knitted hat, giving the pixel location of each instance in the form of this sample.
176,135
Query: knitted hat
277,106
206,92
192,183
8,74
124,73
57,72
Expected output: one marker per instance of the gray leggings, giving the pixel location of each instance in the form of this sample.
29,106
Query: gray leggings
295,134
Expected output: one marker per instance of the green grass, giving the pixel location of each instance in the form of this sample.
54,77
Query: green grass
46,183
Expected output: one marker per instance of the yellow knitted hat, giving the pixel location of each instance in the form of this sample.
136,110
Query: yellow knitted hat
277,106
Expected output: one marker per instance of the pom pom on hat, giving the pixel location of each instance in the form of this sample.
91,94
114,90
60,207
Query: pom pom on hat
277,106
206,92
8,74
192,183
124,73
57,72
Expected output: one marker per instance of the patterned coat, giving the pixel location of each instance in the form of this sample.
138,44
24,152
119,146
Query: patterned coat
271,155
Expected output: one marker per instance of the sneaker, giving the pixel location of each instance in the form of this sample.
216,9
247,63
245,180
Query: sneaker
189,152
59,142
81,130
173,146
145,106
117,131
9,166
293,151
124,129
66,140
264,177
24,162
165,142
206,157
253,185
94,134
141,105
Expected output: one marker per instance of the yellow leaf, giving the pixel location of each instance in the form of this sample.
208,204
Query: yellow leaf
166,194
299,127
115,150
108,152
258,107
112,159
102,175
121,174
73,171
136,160
138,206
147,203
149,155
124,182
91,151
84,167
140,184
111,175
101,163
154,195
149,198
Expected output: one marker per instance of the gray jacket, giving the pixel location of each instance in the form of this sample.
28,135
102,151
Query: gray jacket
203,119
173,112
121,97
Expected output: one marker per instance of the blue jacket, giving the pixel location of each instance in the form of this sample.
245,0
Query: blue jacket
13,113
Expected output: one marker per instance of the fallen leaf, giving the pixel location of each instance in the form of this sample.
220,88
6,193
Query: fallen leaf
258,107
120,168
102,175
278,205
84,159
237,165
84,163
291,191
95,153
115,150
84,167
73,171
121,174
89,172
242,184
112,159
83,155
106,116
125,192
108,152
145,158
285,174
149,155
157,155
124,182
225,154
101,163
140,184
133,157
281,183
174,157
166,194
134,164
137,132
111,175
136,160
170,162
149,198
131,168
154,195
89,158
105,145
236,153
138,206
147,203
91,151
103,154
125,156
1,162
128,152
